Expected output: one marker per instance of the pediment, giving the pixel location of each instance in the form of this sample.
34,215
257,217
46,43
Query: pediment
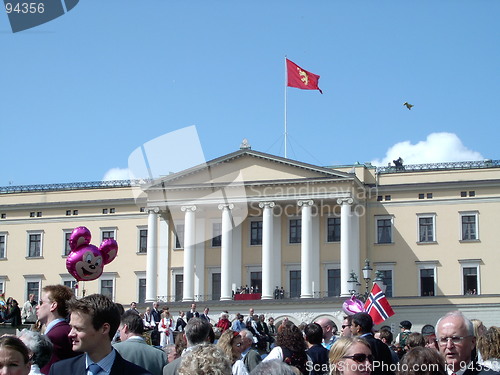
250,166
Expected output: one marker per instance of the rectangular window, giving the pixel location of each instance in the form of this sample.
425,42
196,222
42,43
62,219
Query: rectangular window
104,211
256,233
3,216
429,195
179,290
179,236
2,286
295,231
472,193
333,229
216,287
469,227
112,210
68,212
427,282
384,230
256,281
70,284
67,249
142,290
108,234
421,196
39,214
216,234
75,212
34,245
32,214
33,287
334,282
143,240
387,280
470,280
107,288
426,229
294,284
3,246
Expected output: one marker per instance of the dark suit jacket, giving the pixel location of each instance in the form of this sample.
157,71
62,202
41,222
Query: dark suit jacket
62,347
252,359
180,323
476,369
156,315
172,368
190,315
76,366
381,353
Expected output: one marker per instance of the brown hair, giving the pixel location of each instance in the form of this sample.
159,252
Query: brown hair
489,343
13,343
60,294
422,361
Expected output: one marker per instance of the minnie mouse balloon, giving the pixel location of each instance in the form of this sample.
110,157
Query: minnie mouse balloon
353,306
86,261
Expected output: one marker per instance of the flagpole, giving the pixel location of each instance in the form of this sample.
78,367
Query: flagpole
286,131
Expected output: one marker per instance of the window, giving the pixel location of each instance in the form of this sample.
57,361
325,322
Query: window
104,211
3,245
142,290
256,232
142,209
295,231
179,236
32,214
429,195
68,212
216,234
379,198
470,280
472,193
384,229
256,281
387,280
469,227
67,249
295,284
426,228
3,216
108,233
333,229
427,282
70,284
112,210
387,198
421,196
463,194
2,285
107,287
39,214
75,212
33,283
34,244
179,287
334,282
143,240
216,286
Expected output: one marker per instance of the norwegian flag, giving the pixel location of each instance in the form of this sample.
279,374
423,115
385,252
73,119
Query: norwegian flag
377,305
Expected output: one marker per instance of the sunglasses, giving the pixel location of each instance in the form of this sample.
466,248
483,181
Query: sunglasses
346,325
360,357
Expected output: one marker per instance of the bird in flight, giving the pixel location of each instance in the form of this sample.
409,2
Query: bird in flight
408,105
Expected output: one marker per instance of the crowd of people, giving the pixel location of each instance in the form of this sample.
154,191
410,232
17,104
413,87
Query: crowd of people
94,336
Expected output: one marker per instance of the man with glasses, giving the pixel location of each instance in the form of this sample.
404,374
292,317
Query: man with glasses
346,327
456,342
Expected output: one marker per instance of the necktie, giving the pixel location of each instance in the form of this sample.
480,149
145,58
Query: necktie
94,368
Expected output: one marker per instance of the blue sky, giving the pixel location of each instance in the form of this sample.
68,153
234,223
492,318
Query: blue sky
80,93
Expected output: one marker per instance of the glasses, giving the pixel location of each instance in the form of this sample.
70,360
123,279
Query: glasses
345,326
443,341
360,357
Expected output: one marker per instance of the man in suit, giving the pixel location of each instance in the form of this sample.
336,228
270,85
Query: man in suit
94,321
181,323
196,332
133,347
361,326
251,357
192,313
155,313
52,312
456,342
205,316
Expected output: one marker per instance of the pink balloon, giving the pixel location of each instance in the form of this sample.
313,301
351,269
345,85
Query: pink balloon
353,306
86,262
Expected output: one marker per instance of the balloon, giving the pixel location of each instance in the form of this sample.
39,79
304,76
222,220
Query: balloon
353,306
86,261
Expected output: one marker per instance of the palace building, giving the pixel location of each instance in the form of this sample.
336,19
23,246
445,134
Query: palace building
263,221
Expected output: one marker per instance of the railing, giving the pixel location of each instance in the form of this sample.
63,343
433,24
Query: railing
440,166
68,186
209,297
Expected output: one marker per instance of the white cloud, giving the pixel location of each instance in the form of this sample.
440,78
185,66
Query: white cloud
437,148
116,174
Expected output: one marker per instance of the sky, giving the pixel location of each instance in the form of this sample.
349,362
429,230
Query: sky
80,93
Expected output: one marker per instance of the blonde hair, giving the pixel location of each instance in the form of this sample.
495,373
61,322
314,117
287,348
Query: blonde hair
226,344
339,350
205,359
489,343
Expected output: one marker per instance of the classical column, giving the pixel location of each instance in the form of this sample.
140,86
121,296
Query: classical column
189,244
152,255
267,250
306,249
345,234
226,253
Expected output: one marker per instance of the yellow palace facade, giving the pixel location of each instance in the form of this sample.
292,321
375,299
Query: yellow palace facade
263,221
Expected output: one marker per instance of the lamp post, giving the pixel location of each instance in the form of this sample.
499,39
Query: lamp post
354,283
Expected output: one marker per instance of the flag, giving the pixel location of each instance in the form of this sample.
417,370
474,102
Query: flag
377,305
300,78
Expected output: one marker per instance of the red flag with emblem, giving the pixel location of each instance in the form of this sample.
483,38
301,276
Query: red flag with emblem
301,78
377,305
